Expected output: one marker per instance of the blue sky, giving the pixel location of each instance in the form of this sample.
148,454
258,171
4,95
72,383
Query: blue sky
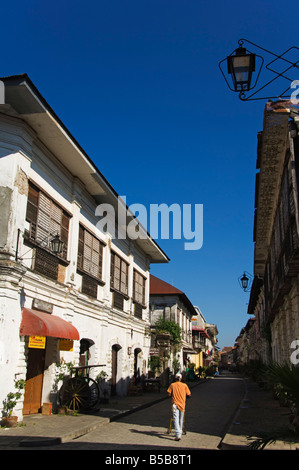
138,85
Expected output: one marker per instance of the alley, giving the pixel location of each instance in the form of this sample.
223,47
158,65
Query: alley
209,413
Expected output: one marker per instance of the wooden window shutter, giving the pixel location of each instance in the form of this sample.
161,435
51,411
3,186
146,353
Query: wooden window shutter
138,311
116,276
46,219
90,254
124,278
80,247
119,274
32,209
139,288
89,286
45,263
64,232
118,300
43,220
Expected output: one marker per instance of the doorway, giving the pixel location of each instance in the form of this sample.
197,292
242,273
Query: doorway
115,349
34,381
137,365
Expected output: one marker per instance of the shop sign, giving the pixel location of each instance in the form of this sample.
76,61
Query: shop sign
38,304
66,345
37,342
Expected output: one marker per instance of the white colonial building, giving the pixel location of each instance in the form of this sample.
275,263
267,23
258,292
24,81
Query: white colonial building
88,304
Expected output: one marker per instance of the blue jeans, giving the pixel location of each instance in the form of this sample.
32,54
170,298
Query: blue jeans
178,418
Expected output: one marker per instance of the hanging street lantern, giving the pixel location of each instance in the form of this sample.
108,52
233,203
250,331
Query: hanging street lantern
245,281
240,66
56,245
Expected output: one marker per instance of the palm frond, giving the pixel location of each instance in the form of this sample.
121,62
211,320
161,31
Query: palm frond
286,377
261,440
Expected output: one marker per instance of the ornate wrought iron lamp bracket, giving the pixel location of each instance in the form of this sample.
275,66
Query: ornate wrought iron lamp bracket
269,66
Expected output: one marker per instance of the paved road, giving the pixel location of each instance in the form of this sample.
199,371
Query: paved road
209,413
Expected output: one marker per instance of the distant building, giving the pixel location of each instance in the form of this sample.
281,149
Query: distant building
226,357
204,340
170,303
200,339
246,345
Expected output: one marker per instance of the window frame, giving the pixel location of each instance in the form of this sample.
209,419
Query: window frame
142,286
38,219
117,286
84,247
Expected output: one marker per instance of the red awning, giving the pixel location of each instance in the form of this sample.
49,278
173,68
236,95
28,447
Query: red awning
201,330
39,323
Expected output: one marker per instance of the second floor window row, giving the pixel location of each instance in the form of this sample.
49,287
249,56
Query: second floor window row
47,219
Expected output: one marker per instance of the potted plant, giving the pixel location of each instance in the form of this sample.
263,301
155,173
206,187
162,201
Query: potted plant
10,402
103,386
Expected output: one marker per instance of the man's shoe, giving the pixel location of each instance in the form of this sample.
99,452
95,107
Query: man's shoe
177,439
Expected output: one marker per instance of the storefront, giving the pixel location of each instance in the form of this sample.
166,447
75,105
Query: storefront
44,333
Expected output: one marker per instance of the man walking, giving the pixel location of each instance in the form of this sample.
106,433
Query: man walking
179,391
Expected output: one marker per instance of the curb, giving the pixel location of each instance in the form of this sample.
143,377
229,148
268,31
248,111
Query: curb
40,442
223,445
51,441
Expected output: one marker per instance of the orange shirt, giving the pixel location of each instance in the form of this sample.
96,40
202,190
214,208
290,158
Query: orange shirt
179,391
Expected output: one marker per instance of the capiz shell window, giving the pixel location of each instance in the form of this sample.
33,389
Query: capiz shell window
119,274
139,288
90,254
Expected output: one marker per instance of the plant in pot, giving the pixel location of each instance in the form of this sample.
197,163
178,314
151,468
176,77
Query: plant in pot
10,402
62,373
103,387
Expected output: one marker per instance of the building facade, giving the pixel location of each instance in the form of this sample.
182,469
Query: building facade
199,338
88,304
204,339
274,299
171,304
247,346
227,358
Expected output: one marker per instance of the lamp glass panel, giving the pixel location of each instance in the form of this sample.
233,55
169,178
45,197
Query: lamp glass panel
241,69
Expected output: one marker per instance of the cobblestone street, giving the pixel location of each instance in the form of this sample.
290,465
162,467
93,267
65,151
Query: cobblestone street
221,414
209,413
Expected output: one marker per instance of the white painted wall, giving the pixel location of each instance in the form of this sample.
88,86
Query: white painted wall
24,157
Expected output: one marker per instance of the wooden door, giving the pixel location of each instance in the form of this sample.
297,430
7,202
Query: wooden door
34,381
